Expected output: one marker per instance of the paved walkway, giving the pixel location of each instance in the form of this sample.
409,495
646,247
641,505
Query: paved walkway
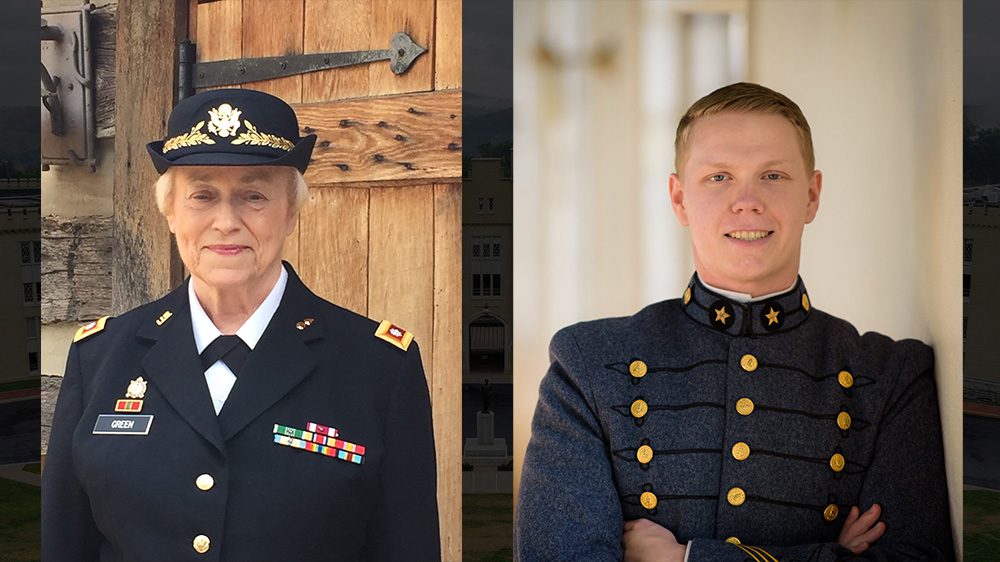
17,473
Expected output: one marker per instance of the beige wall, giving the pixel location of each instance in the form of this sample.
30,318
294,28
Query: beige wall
881,84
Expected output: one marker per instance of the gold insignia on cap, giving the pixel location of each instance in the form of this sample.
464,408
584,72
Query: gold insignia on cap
831,512
844,420
639,408
736,496
637,369
721,315
136,388
846,379
256,138
190,138
687,295
394,335
644,454
164,317
648,500
90,329
225,120
805,302
772,316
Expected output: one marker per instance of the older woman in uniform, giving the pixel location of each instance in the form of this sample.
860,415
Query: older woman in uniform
240,417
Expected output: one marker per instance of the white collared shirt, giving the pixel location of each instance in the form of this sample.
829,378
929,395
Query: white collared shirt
218,376
744,297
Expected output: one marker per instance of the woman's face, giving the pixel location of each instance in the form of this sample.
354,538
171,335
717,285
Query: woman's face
231,223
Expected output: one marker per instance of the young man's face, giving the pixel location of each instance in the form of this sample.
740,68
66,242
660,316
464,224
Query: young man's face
746,195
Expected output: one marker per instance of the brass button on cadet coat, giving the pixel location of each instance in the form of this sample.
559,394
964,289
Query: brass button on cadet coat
844,420
637,369
741,451
749,363
204,482
201,544
831,511
736,496
837,462
845,379
644,454
639,408
648,500
744,406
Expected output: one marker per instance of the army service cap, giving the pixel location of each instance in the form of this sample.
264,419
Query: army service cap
232,127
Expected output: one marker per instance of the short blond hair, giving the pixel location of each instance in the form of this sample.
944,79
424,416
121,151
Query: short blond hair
298,190
745,97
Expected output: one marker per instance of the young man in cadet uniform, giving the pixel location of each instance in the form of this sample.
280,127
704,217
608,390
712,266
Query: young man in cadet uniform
737,422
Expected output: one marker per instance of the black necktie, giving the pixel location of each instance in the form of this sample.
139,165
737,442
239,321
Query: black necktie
231,349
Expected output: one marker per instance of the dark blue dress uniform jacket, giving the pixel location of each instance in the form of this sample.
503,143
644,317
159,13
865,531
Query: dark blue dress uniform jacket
748,430
120,497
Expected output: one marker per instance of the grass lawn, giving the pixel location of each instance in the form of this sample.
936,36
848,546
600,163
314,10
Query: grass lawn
20,385
982,525
20,525
487,527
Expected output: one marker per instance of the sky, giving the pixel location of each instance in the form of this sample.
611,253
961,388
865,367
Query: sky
982,64
19,73
487,39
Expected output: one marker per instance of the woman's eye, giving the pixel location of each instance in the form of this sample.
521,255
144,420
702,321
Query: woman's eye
256,197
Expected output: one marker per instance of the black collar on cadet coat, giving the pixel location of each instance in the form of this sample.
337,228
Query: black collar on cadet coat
773,315
279,362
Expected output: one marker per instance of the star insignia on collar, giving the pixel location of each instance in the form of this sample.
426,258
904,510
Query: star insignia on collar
721,315
772,316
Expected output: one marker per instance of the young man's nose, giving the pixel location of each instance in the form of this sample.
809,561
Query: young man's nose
747,198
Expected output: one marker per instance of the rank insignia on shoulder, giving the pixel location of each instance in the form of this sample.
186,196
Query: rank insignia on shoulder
90,329
394,335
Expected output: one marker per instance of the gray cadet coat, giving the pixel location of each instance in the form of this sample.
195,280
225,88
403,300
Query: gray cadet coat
747,430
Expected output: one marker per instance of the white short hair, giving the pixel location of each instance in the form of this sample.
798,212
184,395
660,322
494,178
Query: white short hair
296,197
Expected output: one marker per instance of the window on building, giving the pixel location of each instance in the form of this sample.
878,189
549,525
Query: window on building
25,252
29,292
967,285
482,204
475,250
496,249
496,285
487,285
967,251
37,250
33,361
476,290
965,327
492,204
38,291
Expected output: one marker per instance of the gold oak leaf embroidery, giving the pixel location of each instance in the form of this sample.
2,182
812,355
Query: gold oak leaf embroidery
190,138
254,137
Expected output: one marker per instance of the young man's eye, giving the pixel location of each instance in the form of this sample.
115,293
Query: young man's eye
717,178
773,176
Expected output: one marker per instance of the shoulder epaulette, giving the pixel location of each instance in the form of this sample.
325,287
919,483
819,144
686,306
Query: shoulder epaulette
394,335
90,329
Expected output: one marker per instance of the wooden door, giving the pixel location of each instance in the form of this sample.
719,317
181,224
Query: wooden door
381,231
